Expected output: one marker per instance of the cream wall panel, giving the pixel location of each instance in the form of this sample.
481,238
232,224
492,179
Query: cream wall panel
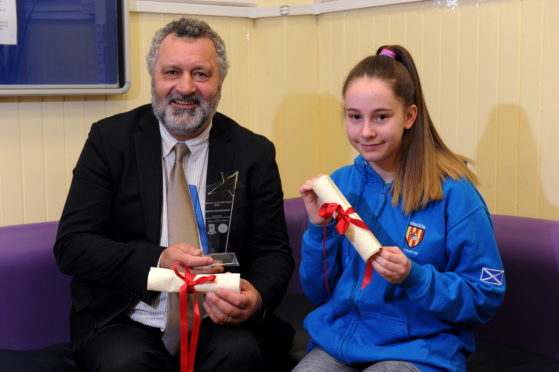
380,19
74,131
529,113
268,82
430,64
354,32
11,184
236,35
235,91
95,108
548,147
54,156
332,68
467,129
140,26
32,160
415,29
398,24
486,157
284,95
365,44
488,70
295,126
507,145
449,57
356,28
482,84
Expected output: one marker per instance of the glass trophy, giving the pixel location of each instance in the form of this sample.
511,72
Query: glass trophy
220,200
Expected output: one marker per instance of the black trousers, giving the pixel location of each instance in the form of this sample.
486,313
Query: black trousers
127,346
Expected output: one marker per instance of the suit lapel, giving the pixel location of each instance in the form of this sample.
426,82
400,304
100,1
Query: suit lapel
150,174
221,155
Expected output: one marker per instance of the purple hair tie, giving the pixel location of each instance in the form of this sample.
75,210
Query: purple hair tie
388,53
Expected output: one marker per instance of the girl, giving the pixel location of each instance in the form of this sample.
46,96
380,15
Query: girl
439,271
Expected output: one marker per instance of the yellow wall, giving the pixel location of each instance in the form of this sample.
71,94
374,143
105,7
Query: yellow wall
489,70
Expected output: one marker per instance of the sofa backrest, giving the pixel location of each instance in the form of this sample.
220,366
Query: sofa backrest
35,294
297,220
36,298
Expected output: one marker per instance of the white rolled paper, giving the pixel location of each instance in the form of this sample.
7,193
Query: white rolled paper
165,280
363,240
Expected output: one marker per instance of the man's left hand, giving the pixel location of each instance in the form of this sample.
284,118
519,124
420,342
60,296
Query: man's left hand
227,308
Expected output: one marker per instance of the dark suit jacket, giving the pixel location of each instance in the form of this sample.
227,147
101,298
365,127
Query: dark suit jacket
109,232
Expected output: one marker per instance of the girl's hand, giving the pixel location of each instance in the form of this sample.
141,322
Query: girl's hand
311,201
392,264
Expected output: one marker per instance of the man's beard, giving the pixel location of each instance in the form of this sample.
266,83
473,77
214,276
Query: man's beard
184,122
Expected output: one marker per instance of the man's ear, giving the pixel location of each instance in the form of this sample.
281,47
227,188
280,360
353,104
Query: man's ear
410,116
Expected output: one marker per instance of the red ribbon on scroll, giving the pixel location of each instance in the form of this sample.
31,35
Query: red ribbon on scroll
343,220
188,355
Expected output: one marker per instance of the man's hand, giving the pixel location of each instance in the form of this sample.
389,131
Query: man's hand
190,256
226,307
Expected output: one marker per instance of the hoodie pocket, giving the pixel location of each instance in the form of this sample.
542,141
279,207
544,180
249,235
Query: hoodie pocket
382,330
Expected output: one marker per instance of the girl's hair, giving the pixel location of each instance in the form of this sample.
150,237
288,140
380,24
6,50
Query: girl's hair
424,160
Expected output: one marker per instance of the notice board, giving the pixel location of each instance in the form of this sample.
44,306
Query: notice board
65,47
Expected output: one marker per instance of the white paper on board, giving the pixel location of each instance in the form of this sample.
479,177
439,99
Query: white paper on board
8,22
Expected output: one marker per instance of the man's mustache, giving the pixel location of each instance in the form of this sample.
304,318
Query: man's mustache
195,98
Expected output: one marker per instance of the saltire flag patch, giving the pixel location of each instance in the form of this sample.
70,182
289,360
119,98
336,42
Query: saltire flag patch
414,236
492,276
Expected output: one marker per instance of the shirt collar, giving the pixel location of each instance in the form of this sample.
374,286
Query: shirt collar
194,144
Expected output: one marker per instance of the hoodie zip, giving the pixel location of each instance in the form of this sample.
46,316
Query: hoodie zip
354,322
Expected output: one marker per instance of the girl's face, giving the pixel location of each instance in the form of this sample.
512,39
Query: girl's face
375,123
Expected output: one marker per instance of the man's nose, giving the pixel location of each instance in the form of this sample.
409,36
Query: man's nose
186,85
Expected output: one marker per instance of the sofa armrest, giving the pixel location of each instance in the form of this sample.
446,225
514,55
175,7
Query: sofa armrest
36,296
529,249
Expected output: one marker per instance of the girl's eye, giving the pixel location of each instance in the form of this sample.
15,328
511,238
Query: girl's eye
353,116
381,117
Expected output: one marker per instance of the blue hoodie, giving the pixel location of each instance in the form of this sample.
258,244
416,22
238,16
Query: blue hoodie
456,279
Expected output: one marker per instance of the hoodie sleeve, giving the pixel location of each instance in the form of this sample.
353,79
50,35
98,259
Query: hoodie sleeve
471,287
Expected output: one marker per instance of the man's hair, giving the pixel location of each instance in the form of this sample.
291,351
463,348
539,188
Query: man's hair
193,29
424,159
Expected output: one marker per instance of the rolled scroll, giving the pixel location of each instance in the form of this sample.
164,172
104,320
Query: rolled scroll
365,243
165,280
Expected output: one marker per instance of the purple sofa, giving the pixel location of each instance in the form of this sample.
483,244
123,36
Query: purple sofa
523,336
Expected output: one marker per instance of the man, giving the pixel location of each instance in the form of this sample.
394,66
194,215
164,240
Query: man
114,226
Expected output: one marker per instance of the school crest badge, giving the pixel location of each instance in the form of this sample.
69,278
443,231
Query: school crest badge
414,236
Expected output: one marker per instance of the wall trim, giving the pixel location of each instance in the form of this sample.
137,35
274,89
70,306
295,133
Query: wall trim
248,8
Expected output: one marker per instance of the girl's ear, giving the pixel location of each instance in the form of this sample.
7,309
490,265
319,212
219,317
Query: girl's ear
410,116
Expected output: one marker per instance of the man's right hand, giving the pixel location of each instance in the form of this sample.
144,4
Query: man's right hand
190,256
